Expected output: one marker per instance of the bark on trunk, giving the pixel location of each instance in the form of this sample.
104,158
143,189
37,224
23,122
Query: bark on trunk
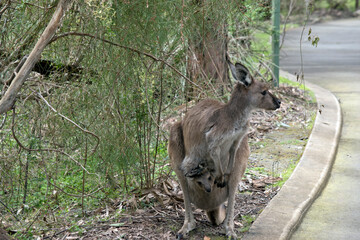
207,57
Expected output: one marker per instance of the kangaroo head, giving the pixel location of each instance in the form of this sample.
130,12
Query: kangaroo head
257,92
205,181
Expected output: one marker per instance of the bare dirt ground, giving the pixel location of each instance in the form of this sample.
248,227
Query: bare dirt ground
277,140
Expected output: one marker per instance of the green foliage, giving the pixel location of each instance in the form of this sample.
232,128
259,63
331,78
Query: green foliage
248,220
336,4
285,175
102,131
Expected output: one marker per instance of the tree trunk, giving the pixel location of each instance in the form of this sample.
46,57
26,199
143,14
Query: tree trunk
9,98
206,56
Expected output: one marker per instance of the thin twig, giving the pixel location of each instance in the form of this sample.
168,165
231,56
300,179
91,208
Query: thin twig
5,7
35,218
3,121
9,210
71,121
302,78
291,7
74,195
43,149
34,5
83,177
124,47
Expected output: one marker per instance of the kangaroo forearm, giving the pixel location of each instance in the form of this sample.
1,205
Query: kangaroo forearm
231,162
232,152
216,158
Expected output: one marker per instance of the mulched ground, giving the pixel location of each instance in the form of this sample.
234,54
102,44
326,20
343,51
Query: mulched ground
164,214
158,213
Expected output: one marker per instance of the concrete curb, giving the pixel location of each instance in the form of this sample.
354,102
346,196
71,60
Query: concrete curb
285,211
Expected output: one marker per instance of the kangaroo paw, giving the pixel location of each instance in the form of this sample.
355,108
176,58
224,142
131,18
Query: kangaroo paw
221,185
221,181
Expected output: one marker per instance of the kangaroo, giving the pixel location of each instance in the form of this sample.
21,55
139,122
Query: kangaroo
213,130
213,137
199,185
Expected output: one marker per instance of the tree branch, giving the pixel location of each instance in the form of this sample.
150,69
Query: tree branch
5,7
124,47
3,121
43,149
34,5
71,121
75,195
8,100
291,7
10,211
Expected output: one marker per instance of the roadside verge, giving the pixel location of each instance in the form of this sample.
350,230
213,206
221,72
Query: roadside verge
284,212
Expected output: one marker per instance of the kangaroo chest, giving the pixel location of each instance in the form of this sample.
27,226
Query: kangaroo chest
230,138
226,139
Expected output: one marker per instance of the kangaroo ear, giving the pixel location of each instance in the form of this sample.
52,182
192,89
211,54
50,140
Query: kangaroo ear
192,171
240,73
195,172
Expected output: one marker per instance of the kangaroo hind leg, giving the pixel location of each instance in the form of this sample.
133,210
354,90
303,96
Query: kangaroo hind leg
217,215
176,152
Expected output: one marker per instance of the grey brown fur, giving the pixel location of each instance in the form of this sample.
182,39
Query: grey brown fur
201,189
212,130
209,149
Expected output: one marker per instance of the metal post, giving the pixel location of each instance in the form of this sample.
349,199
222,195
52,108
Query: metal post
276,40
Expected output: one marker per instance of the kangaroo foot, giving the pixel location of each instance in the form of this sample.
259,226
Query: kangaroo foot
186,228
229,230
231,235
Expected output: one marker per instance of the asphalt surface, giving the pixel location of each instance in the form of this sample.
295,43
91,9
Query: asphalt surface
334,65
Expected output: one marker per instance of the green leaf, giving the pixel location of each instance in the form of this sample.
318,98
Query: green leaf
116,224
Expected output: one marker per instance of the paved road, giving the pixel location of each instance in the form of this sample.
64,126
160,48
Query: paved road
334,65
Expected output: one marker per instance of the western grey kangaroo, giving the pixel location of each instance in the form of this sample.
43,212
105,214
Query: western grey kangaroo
213,137
213,130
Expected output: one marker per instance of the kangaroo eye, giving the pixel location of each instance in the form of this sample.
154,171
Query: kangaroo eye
263,92
209,178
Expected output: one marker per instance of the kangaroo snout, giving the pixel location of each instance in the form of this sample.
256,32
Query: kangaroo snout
274,103
277,103
207,188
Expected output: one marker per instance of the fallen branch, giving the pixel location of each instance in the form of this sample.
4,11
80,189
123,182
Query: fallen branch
8,100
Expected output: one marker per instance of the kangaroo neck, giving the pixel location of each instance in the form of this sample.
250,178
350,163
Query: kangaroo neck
238,106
